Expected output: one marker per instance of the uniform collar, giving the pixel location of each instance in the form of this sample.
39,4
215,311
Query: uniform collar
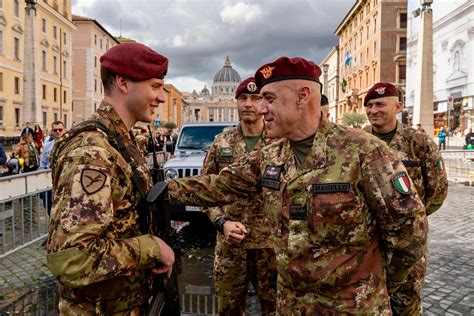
107,115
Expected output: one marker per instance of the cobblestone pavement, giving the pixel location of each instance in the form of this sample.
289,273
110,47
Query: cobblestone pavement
449,284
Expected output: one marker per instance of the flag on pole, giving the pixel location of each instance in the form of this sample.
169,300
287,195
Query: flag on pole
348,60
344,85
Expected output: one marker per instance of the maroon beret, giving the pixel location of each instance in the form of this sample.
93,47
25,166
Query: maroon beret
380,90
135,61
247,86
285,68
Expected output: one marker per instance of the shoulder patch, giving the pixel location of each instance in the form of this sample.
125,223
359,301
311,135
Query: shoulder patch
440,164
401,182
92,180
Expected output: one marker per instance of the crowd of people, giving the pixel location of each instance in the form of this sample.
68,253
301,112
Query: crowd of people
32,151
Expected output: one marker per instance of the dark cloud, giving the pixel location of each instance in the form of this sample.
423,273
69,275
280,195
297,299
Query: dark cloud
197,35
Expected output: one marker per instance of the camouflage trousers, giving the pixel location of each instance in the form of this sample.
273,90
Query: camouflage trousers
67,307
234,267
409,294
292,302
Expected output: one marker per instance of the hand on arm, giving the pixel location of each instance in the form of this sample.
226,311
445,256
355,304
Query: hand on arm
234,232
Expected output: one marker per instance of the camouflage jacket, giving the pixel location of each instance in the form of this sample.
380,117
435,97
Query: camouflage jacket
229,147
423,161
95,246
348,226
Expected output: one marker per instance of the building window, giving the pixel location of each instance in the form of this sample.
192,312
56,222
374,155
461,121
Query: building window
45,117
43,25
55,116
100,43
1,115
1,81
55,32
17,85
1,3
403,20
375,25
402,44
95,39
402,72
55,65
64,38
368,31
95,85
16,45
361,36
65,120
17,117
55,94
43,54
65,96
16,8
1,42
44,92
95,61
64,68
95,107
375,48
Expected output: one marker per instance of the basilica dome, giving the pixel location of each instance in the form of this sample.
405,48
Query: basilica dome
227,74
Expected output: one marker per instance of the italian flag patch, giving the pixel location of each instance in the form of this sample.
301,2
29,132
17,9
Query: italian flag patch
440,164
401,182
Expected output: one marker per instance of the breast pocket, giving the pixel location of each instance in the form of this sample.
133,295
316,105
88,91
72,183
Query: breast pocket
337,218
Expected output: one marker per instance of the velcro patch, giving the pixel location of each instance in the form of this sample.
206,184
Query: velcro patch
401,182
411,163
92,180
271,177
298,212
331,187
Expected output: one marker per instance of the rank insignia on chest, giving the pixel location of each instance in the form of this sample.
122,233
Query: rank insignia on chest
271,177
401,182
226,155
298,212
92,180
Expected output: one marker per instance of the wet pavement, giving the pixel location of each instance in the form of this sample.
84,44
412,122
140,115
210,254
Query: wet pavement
448,290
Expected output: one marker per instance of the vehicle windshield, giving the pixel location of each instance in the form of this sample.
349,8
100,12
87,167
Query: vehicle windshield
198,137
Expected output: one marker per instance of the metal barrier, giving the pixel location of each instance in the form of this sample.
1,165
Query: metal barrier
198,300
459,165
23,217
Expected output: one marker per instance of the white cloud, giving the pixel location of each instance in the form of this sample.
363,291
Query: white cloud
240,13
186,83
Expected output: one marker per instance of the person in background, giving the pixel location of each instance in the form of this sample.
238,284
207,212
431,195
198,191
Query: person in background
253,259
38,137
27,129
469,139
3,156
442,138
26,151
425,166
325,106
57,131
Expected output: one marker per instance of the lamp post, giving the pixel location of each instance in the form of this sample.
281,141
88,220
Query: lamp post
325,78
423,107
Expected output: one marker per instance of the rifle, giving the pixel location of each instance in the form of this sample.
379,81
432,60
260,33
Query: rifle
165,300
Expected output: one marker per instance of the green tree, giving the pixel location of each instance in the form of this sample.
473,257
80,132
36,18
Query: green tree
169,125
354,119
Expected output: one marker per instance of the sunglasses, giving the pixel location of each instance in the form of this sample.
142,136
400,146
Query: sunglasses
57,129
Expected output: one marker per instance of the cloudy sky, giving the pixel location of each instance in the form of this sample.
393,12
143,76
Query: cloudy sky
197,35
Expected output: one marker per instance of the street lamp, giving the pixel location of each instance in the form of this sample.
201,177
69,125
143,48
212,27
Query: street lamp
325,78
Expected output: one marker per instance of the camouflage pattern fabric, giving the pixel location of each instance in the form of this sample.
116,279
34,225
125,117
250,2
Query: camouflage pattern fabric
423,161
95,247
142,141
346,231
233,264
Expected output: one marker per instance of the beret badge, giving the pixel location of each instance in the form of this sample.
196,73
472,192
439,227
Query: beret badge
267,72
252,87
380,90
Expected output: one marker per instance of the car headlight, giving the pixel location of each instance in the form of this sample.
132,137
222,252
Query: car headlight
171,174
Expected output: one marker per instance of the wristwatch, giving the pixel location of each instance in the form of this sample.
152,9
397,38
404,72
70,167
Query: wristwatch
219,223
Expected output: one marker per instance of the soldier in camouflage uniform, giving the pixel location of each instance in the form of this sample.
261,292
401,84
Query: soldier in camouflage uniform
423,161
253,259
347,223
97,246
